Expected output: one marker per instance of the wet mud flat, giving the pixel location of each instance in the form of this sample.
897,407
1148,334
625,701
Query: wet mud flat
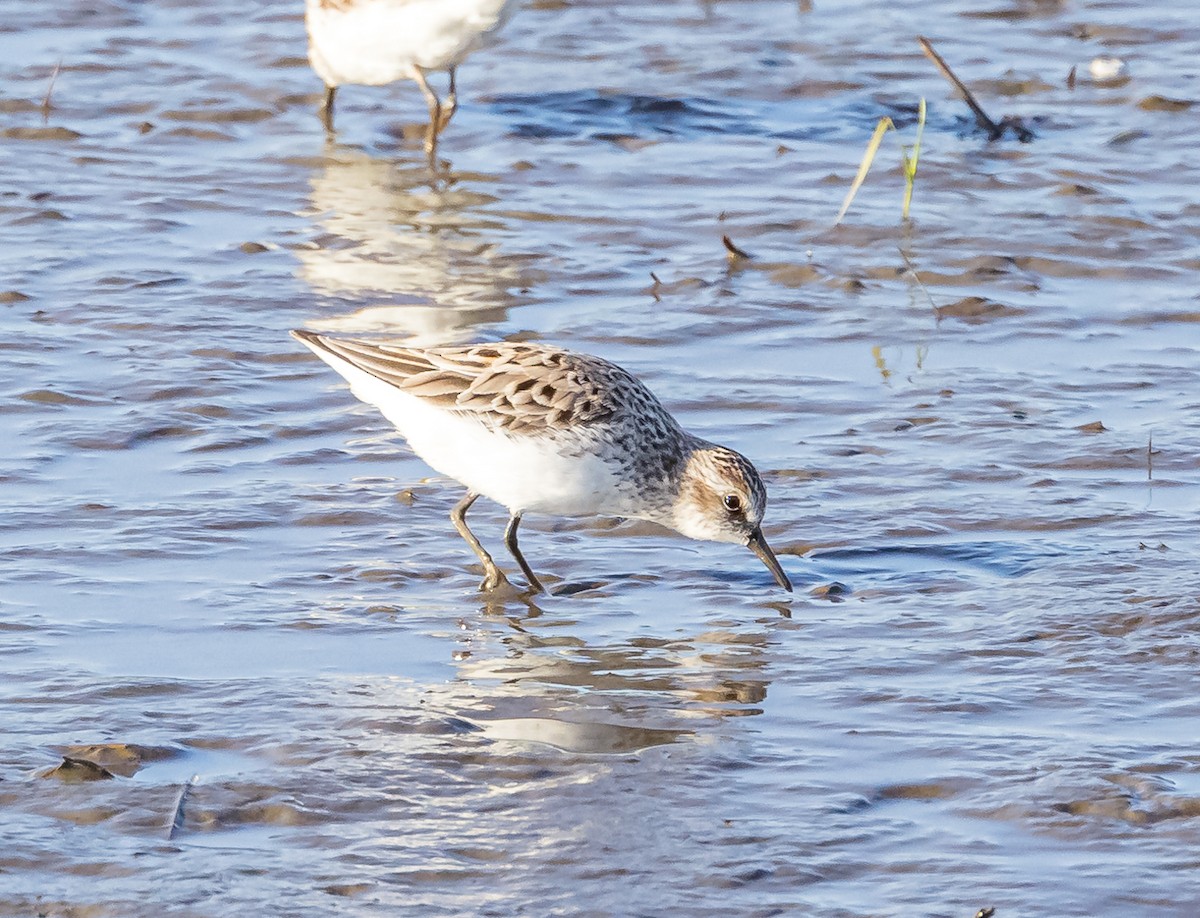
244,665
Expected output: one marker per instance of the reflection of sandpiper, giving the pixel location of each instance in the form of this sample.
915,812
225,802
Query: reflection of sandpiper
541,429
427,261
375,42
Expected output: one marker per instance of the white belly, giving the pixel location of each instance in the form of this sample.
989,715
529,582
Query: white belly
522,473
378,41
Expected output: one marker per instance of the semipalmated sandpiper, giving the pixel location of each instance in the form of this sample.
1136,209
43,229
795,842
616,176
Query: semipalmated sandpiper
374,42
540,429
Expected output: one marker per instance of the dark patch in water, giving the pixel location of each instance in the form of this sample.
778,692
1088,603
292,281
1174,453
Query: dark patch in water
600,115
588,113
998,559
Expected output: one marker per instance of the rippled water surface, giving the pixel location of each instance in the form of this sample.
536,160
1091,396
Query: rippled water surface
245,669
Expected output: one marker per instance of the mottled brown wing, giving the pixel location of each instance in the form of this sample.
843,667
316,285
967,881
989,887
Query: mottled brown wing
526,387
517,387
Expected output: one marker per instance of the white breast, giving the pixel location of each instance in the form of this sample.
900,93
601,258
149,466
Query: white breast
378,41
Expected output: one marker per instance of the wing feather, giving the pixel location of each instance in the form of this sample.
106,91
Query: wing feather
520,388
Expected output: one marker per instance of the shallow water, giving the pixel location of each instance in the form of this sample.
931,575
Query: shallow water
983,692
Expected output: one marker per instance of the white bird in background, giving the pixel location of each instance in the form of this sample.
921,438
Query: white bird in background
375,42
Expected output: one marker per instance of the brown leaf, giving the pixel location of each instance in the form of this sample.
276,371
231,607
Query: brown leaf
734,252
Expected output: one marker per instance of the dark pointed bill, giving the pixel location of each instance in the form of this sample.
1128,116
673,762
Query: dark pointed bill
759,546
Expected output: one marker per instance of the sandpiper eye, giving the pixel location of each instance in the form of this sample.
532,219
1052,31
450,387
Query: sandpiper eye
733,503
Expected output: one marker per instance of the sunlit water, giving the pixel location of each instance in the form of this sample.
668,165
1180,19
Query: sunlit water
983,692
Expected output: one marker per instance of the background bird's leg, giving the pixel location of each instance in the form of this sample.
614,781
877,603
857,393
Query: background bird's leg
451,105
326,109
493,575
435,111
510,539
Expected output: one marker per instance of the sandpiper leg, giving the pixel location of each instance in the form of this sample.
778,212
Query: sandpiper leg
493,575
326,109
510,539
451,104
435,111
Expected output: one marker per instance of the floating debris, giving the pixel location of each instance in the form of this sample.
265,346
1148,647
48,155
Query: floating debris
1107,69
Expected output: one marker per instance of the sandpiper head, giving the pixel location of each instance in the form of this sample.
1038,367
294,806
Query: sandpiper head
722,499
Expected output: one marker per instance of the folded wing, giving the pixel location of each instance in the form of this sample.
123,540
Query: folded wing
523,388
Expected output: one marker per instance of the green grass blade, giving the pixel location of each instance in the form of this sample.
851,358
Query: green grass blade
911,158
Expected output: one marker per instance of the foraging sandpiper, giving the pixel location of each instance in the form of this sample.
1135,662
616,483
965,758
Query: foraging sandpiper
540,429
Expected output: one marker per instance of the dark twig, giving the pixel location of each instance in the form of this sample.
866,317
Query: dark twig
981,117
1150,458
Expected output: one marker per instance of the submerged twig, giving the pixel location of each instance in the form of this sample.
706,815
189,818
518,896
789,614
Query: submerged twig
1150,458
654,289
177,814
885,124
734,252
981,117
50,92
912,269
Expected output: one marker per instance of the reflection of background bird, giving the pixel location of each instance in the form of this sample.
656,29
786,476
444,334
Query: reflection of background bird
429,253
374,42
